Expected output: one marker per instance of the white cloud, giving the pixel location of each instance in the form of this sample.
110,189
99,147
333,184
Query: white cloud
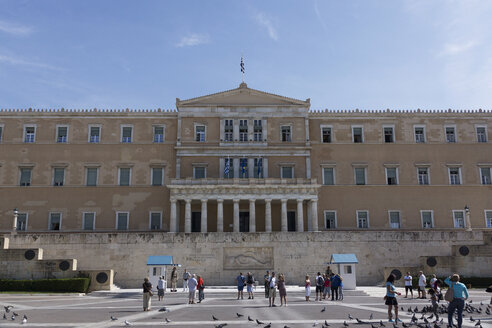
193,40
456,48
16,61
13,29
267,23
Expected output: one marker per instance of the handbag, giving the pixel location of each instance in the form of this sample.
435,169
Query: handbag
150,293
449,296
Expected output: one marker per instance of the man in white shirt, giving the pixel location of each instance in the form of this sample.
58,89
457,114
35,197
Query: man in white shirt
192,288
272,290
408,284
422,283
186,276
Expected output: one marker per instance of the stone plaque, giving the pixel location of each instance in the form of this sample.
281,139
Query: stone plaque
248,258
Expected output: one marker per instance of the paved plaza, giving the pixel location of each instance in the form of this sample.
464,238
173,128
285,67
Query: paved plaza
95,310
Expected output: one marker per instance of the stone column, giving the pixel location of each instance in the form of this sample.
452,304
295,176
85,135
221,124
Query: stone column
314,214
308,167
268,215
235,227
283,222
300,216
220,215
236,167
309,216
172,220
252,215
187,215
204,223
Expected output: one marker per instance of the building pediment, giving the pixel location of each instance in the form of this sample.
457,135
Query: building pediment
242,96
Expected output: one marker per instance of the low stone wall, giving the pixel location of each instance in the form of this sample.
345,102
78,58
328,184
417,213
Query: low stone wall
218,257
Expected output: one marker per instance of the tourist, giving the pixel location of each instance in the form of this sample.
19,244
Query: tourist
460,295
147,294
282,292
433,280
174,280
434,300
390,298
320,283
160,288
437,288
192,283
327,286
422,283
250,281
200,286
272,290
340,287
186,276
307,285
335,283
266,281
408,284
241,281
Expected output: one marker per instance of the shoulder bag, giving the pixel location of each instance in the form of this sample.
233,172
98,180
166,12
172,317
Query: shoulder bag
449,296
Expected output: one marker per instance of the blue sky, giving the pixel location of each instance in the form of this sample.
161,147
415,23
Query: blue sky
351,54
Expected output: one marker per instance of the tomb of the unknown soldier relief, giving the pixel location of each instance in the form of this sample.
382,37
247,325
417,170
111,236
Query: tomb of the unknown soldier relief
243,180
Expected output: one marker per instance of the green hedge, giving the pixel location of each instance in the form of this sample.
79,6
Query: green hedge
475,282
73,285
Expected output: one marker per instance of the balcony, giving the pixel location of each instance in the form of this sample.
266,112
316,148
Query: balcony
243,182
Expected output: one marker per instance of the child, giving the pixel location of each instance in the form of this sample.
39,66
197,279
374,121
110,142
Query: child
434,300
326,290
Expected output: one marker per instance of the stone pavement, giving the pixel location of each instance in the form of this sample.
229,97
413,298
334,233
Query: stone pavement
94,310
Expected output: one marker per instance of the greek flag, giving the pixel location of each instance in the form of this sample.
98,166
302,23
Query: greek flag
243,165
242,65
226,167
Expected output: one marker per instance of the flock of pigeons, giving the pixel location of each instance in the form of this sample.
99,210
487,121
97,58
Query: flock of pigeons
14,315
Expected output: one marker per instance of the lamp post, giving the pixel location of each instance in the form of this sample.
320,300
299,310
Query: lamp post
468,221
14,225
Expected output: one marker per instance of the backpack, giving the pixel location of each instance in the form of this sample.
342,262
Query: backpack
320,282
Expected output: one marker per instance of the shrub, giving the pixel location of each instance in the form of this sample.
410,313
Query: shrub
77,285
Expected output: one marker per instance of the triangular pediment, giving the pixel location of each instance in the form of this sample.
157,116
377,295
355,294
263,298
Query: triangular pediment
242,96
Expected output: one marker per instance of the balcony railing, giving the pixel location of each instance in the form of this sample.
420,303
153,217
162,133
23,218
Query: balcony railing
238,181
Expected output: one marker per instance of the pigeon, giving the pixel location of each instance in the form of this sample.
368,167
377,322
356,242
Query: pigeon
436,325
381,324
163,309
478,323
214,318
345,323
286,326
404,325
4,317
370,317
259,322
167,320
471,301
350,317
221,325
402,308
395,325
268,326
249,318
426,321
7,308
471,318
431,316
24,320
239,315
358,320
127,323
327,324
372,326
13,317
114,318
416,309
323,309
315,324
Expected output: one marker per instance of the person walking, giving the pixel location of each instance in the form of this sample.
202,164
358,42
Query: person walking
266,281
422,283
186,276
320,284
160,288
390,298
201,287
192,283
241,281
307,286
460,295
340,288
147,294
282,292
272,290
174,280
250,281
335,283
408,284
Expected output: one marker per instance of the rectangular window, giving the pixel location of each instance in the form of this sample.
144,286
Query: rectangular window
485,175
450,134
1,133
258,130
328,176
391,175
22,222
389,136
419,134
55,221
357,134
258,167
126,134
200,133
88,220
124,176
488,219
228,168
481,133
158,134
25,176
423,175
243,168
360,175
91,177
61,134
287,172
326,135
155,221
362,219
459,219
122,220
394,217
427,219
29,134
286,133
228,130
157,176
199,172
243,130
454,176
94,134
58,176
330,219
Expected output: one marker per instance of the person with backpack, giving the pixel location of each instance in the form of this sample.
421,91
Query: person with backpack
335,283
241,281
456,296
250,281
320,285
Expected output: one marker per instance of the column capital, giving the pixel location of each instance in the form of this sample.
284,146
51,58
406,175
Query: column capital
235,200
300,201
284,200
252,200
173,200
220,200
187,201
268,200
204,201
